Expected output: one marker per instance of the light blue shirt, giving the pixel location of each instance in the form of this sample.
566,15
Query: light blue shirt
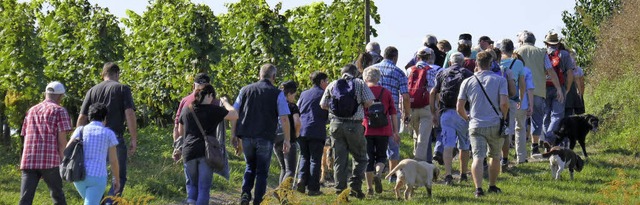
97,139
528,78
393,79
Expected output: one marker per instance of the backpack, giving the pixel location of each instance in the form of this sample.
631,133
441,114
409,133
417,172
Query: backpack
418,91
344,103
555,62
72,168
377,117
451,87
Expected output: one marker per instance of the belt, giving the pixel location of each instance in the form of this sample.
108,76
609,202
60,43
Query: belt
346,120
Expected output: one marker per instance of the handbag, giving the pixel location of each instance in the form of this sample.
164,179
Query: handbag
72,167
214,154
503,123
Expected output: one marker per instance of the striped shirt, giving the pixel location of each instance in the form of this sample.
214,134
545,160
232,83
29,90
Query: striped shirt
363,93
97,139
393,79
40,130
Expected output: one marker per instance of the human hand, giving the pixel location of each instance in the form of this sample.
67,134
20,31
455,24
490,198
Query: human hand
559,96
286,145
436,120
116,184
177,154
237,144
396,137
530,111
132,147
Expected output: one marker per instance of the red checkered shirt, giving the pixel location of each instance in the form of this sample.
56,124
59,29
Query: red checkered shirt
40,130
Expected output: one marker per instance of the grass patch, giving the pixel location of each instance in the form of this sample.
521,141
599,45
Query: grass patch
610,176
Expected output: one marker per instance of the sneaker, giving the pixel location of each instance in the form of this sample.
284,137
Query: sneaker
300,188
463,178
448,180
370,192
357,194
479,193
314,193
438,158
378,184
245,199
494,189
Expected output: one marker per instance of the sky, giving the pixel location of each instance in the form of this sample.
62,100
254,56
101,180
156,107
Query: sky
405,23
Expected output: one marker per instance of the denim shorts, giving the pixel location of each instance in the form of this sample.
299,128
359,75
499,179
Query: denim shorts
454,130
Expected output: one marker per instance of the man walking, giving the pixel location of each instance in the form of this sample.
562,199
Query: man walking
395,80
421,117
45,130
483,91
259,105
455,130
348,95
313,134
563,67
538,61
119,102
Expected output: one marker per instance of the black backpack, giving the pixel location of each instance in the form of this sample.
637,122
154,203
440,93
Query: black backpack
72,168
343,102
451,87
376,113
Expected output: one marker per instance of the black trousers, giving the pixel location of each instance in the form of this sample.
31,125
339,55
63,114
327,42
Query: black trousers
30,179
377,151
310,162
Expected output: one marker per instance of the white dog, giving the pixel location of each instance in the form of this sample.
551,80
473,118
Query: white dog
412,174
561,158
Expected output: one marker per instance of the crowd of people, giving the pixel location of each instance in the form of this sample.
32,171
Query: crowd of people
472,102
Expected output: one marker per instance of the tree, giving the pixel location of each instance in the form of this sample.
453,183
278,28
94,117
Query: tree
252,35
171,42
327,37
77,39
582,27
21,64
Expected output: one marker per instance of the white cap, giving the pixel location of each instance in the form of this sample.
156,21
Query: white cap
55,87
424,51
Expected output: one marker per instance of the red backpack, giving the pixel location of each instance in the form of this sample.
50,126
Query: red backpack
555,62
418,91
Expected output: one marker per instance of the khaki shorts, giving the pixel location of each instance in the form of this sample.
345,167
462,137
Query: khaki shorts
483,138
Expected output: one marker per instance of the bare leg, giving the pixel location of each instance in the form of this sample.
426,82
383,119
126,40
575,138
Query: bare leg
464,161
447,156
477,171
494,170
369,177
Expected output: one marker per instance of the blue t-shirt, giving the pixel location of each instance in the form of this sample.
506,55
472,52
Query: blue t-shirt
528,78
312,117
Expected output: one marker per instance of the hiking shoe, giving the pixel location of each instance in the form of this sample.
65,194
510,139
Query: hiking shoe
438,158
448,180
463,178
357,194
314,193
535,150
245,199
370,192
479,193
494,189
378,184
300,188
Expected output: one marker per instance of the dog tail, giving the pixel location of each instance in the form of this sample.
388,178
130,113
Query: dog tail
393,171
552,152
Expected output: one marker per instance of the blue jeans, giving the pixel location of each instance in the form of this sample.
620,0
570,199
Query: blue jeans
257,156
91,189
121,150
310,162
439,146
539,105
554,112
199,176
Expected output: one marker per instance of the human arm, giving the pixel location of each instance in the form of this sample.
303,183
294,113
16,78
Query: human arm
569,82
177,153
530,97
504,106
580,85
115,167
62,142
284,121
130,115
297,124
522,88
461,111
433,95
406,105
232,114
556,83
395,128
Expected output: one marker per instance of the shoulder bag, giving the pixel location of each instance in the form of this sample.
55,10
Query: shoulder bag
214,154
72,167
503,123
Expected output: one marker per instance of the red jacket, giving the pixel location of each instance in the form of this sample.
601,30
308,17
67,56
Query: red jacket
388,103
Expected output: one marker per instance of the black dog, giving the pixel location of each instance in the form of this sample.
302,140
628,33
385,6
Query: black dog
576,128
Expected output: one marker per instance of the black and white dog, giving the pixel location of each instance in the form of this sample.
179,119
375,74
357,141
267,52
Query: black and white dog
575,128
561,158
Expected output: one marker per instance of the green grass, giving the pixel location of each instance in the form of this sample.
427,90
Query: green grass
609,177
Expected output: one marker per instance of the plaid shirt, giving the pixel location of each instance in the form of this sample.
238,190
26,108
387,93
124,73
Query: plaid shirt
363,93
96,139
393,79
40,131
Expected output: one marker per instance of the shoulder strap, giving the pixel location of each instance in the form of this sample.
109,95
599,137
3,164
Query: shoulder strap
380,95
80,137
512,62
487,96
197,120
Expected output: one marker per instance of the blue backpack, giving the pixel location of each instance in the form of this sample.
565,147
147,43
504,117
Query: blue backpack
344,103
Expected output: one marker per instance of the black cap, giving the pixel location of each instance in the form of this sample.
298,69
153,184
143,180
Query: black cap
201,78
485,38
465,36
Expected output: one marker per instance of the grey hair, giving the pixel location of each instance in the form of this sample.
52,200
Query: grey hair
267,71
526,37
430,40
373,46
457,58
506,46
371,74
432,56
